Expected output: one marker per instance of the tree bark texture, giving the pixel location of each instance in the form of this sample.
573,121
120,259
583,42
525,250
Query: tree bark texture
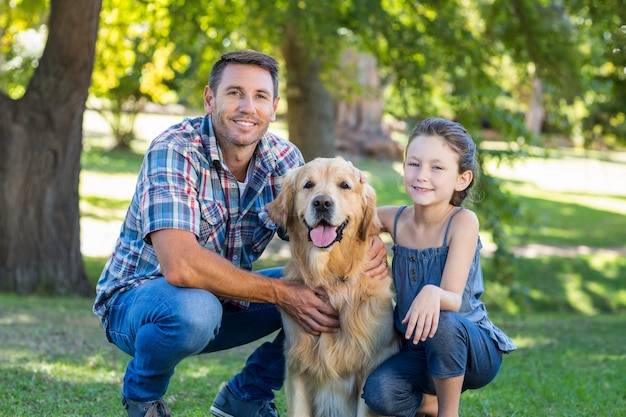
359,126
311,115
40,147
536,113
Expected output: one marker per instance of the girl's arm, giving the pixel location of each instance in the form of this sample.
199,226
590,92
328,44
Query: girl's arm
462,241
386,216
422,319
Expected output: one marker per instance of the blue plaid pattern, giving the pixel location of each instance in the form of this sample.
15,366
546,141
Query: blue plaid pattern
183,184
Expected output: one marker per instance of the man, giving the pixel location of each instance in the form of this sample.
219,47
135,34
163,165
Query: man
179,282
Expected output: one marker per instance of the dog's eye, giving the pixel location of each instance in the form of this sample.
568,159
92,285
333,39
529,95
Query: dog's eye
308,184
344,185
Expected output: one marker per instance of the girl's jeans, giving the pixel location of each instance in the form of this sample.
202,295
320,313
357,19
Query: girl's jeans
159,325
459,347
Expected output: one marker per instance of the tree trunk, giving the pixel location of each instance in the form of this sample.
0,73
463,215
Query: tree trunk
311,115
536,113
40,147
359,126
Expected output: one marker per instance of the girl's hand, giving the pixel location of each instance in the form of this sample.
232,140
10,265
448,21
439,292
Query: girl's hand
422,319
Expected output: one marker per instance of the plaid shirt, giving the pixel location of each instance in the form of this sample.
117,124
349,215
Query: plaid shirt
183,184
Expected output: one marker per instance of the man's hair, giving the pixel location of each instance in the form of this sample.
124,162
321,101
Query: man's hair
244,57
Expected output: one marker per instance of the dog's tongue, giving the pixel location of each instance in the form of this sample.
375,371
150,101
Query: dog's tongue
323,235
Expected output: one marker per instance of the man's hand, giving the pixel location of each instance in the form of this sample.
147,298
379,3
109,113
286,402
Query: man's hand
310,309
377,263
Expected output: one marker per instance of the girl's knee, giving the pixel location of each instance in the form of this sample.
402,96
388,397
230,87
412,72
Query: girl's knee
380,391
374,395
450,329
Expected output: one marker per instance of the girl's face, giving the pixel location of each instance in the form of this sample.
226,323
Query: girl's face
431,171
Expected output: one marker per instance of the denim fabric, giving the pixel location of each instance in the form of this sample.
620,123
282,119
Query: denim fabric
412,269
459,347
159,325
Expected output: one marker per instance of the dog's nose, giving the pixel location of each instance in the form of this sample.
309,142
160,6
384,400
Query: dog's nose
322,202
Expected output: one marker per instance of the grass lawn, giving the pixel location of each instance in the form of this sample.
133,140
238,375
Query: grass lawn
55,361
566,310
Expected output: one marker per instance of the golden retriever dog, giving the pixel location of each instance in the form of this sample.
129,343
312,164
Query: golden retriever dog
330,217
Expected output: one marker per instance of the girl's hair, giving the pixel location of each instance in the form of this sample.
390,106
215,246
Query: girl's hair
459,140
244,57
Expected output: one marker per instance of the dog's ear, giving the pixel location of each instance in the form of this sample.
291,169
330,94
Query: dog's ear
370,225
281,208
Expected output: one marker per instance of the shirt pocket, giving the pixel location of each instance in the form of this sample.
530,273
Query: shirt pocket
213,225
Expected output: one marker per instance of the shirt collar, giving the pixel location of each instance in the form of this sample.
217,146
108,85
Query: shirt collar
212,151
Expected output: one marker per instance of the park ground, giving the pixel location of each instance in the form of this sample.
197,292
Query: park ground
55,360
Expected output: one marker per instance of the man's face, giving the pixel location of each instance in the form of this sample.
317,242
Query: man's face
243,105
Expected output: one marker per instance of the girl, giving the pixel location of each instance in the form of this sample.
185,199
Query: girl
450,344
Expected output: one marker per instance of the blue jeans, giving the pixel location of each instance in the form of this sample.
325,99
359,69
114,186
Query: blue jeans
159,325
459,347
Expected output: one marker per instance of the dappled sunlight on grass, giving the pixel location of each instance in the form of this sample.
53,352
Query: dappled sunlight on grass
110,161
16,319
558,233
564,224
93,267
118,186
12,355
556,283
601,357
615,298
563,366
386,180
606,263
103,209
529,342
591,174
69,359
611,202
76,373
577,297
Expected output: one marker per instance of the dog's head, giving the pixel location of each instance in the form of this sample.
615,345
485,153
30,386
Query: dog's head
326,201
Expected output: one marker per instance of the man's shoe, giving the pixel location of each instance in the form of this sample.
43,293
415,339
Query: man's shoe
151,409
227,405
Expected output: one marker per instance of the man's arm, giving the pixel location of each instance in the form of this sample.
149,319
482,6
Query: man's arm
185,263
377,259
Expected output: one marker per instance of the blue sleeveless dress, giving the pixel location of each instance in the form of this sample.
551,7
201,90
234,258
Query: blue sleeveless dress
412,269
